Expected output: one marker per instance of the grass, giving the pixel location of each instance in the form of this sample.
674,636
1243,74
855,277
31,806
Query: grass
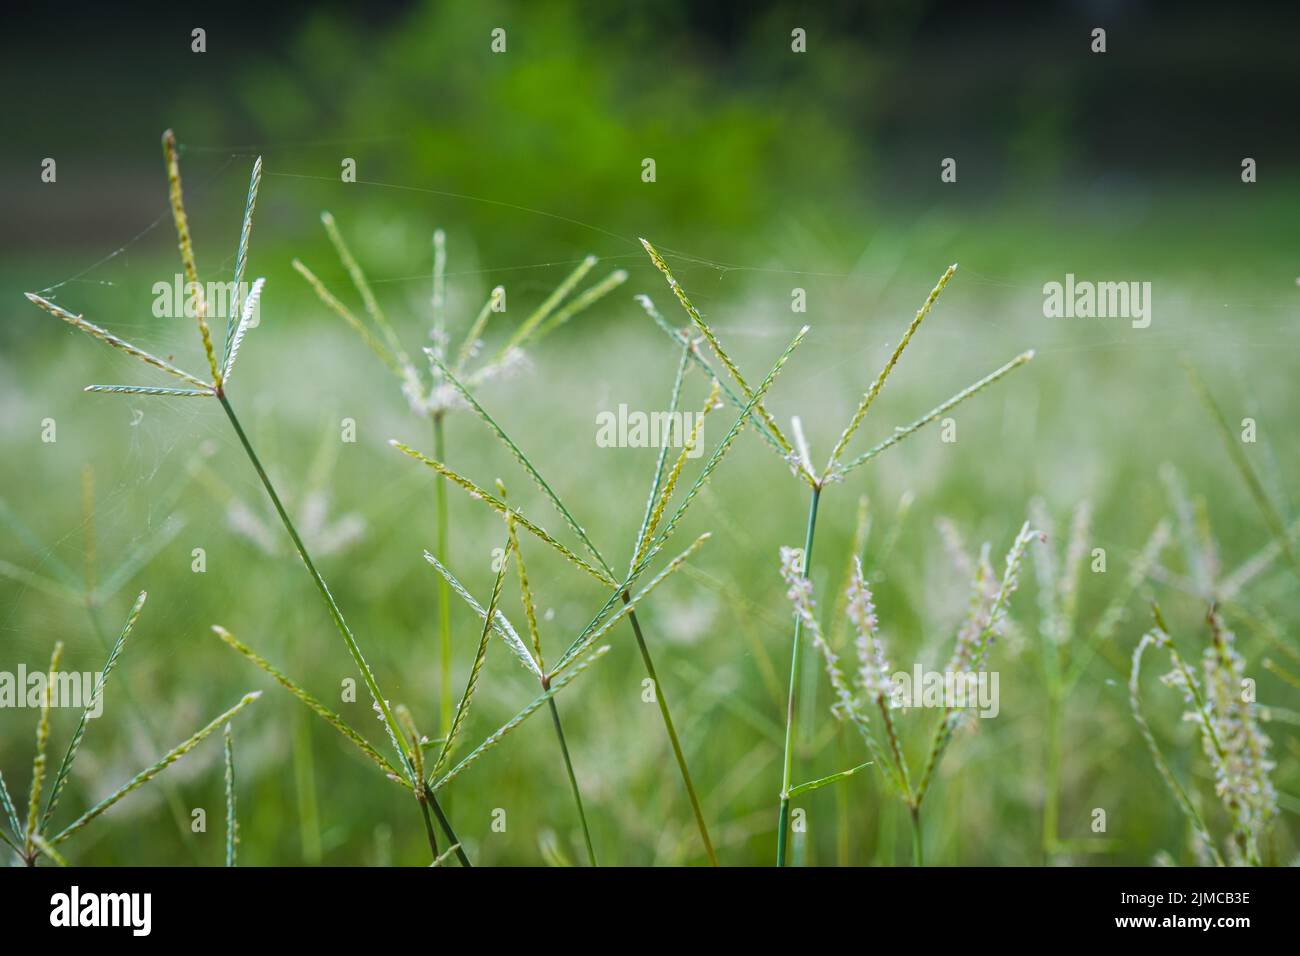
707,626
799,459
220,372
37,838
432,397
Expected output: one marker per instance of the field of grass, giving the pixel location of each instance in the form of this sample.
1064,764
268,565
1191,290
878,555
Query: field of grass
1153,465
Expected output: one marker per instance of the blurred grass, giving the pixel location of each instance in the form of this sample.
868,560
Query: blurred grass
780,203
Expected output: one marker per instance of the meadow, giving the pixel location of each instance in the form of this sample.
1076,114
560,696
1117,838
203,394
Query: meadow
1106,480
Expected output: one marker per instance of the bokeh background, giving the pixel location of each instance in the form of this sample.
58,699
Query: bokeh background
774,171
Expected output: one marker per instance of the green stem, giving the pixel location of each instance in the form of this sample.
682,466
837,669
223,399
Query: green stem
1052,771
428,828
672,733
445,692
304,772
918,854
573,780
334,611
783,818
446,828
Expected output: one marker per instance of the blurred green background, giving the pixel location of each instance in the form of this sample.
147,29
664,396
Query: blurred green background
774,171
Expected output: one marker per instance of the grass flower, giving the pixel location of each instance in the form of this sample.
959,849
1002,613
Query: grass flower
220,370
799,458
432,394
37,838
984,622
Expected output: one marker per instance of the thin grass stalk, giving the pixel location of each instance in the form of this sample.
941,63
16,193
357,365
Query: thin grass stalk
718,350
870,396
548,305
514,722
312,704
573,779
667,716
900,433
918,843
241,261
11,814
65,766
187,252
144,776
232,823
787,763
339,621
304,774
682,338
608,571
179,812
444,590
1159,638
38,764
1275,521
530,614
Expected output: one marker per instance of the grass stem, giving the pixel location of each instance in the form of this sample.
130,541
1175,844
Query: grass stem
333,607
783,819
918,850
573,780
672,733
445,693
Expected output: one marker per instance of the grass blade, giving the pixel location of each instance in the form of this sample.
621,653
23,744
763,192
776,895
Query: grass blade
906,430
438,296
525,592
571,281
232,823
1158,638
11,814
462,709
870,396
718,350
245,318
499,621
683,339
475,332
1272,518
527,465
65,767
589,637
42,740
723,447
43,845
581,303
833,778
501,508
105,336
187,251
331,718
671,484
513,723
343,312
148,390
367,297
144,776
241,264
674,403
